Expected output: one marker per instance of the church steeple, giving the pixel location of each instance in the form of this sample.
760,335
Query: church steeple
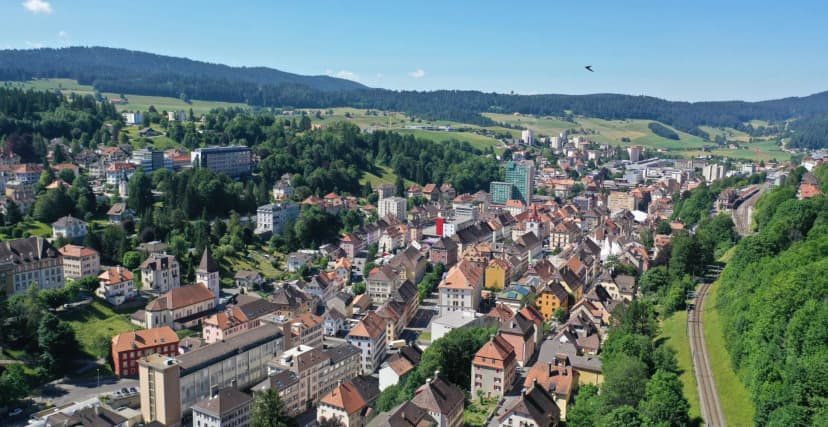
207,273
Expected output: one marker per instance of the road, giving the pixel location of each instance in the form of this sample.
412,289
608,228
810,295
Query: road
711,407
744,213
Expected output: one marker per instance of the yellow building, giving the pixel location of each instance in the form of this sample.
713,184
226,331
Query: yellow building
498,273
553,297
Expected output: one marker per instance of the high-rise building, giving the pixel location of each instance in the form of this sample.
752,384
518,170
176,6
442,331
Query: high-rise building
234,160
635,153
393,206
527,137
521,175
713,172
501,192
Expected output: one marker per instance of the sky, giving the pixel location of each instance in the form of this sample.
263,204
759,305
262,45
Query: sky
696,50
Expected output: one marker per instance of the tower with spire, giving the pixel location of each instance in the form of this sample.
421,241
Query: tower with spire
207,272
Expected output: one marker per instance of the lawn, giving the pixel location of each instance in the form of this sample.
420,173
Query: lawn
255,261
388,176
94,324
477,412
674,333
736,402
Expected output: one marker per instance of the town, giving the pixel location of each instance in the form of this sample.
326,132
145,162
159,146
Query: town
434,307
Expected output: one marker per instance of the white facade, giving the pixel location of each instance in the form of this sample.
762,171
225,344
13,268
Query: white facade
452,299
393,206
713,172
160,273
527,137
132,119
70,228
271,218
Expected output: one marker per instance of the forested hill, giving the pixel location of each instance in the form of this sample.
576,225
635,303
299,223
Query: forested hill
123,71
109,66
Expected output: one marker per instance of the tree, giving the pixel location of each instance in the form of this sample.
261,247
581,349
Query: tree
269,411
622,416
140,192
14,384
56,340
587,409
664,403
132,259
625,380
358,288
13,215
88,283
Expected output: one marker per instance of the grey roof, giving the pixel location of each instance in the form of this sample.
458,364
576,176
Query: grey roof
22,251
342,352
67,221
226,401
88,417
438,395
519,325
207,264
368,388
407,415
222,350
537,405
279,381
553,346
253,307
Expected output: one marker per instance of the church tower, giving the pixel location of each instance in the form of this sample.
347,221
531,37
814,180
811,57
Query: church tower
207,273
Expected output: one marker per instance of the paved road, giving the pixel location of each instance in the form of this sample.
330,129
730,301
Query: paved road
711,407
58,392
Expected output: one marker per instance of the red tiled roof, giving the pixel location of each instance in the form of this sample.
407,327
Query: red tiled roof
143,339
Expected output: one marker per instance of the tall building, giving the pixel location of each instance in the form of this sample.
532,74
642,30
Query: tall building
27,262
80,261
522,176
501,192
207,273
393,206
713,172
234,160
150,159
635,153
527,137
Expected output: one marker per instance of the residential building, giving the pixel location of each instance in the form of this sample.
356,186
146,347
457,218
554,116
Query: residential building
443,251
71,228
346,404
290,301
235,161
79,261
286,383
133,118
557,378
246,313
27,262
307,330
521,174
552,297
395,207
498,274
180,308
381,282
171,385
493,368
207,273
369,336
635,153
159,273
501,192
527,137
713,172
411,263
129,347
119,212
535,407
519,331
227,408
297,260
271,218
118,172
443,400
283,189
461,287
398,366
27,173
247,279
619,200
117,285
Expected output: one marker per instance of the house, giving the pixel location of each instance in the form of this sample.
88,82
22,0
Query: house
246,279
79,261
586,367
297,260
351,244
399,365
381,282
405,415
306,330
493,368
128,347
520,333
245,314
180,308
159,273
349,403
290,301
411,263
444,251
27,173
117,285
369,336
323,285
444,401
115,173
557,378
620,287
69,227
30,261
227,408
287,384
552,297
460,289
335,322
119,212
498,274
149,132
564,233
535,407
431,192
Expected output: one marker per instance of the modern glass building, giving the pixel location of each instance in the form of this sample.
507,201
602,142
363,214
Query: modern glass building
501,192
521,175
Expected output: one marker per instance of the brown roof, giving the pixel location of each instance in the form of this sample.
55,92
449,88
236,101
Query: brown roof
405,361
143,339
181,297
501,311
495,353
371,326
227,319
537,405
345,397
115,275
555,379
76,251
464,275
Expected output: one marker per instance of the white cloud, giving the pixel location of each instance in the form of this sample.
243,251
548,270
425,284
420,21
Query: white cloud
417,74
38,6
380,76
63,35
344,74
34,45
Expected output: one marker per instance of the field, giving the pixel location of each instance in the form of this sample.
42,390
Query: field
255,261
736,402
95,325
388,176
674,333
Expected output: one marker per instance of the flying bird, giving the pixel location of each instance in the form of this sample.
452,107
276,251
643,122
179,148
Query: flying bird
589,67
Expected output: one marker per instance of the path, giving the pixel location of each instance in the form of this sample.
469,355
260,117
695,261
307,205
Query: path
711,407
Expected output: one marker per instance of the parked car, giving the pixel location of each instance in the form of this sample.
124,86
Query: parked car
15,412
133,390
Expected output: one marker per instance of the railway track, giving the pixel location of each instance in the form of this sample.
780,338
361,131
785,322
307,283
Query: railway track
711,407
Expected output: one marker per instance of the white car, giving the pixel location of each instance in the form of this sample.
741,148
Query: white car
15,412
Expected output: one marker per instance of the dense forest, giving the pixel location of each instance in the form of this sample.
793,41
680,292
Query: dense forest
810,132
663,131
122,71
772,299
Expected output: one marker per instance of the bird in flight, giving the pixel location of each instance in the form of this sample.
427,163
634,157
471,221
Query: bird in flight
589,67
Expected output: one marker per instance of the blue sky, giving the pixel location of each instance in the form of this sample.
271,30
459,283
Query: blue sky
681,50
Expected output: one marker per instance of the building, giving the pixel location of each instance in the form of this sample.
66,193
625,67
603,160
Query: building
444,401
170,386
116,173
713,172
27,262
286,383
227,408
178,116
498,274
119,212
395,207
159,273
521,174
493,368
180,308
369,336
443,251
129,347
307,329
150,159
552,297
132,119
207,273
635,153
460,289
247,313
619,200
235,161
381,282
79,261
271,218
346,404
527,137
411,263
501,192
520,333
535,407
117,285
398,366
69,227
557,378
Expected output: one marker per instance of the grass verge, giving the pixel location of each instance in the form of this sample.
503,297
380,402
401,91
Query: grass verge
95,326
674,333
